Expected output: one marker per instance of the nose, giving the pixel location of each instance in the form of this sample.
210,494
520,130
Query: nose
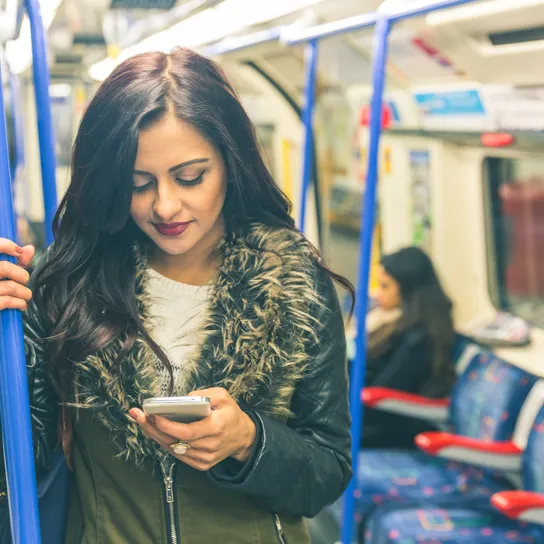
168,202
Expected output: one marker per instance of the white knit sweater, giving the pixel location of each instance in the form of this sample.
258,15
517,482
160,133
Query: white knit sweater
178,312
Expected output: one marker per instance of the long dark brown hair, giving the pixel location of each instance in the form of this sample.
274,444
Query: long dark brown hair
424,305
86,287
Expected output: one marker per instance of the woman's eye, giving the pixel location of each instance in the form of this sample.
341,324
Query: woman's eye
181,181
190,182
140,188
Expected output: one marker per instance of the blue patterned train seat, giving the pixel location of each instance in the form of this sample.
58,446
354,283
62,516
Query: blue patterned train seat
485,404
446,522
437,525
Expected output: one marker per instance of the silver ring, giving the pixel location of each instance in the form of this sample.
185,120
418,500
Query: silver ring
180,448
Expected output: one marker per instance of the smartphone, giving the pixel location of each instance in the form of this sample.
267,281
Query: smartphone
179,409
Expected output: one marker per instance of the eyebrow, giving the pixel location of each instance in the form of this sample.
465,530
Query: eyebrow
177,167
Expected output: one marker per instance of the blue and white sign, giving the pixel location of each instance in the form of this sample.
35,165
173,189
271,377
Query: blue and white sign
451,103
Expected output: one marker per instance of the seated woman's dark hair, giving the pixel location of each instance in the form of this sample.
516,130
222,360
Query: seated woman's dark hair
424,303
86,286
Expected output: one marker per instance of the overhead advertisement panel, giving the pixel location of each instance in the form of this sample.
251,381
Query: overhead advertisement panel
482,108
452,109
451,103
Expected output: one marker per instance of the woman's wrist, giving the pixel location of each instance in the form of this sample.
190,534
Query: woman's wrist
250,433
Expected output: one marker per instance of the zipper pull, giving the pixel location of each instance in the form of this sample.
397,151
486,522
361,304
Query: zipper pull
279,529
169,489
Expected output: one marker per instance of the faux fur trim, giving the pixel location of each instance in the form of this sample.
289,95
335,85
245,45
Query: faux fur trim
257,339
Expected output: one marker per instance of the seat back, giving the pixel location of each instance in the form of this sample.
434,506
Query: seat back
464,349
533,458
488,396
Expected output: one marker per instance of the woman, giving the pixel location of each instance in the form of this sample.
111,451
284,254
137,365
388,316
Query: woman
177,269
410,343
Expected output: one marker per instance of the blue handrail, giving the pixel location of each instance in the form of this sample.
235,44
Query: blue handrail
368,215
43,110
383,21
327,30
307,119
239,43
408,12
14,398
294,36
14,401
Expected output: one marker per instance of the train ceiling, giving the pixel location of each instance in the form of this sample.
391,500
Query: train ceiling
78,39
490,41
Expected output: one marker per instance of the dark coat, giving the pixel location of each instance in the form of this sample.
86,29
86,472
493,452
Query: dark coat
405,365
274,338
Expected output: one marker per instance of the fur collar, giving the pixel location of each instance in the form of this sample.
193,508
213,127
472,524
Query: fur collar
256,342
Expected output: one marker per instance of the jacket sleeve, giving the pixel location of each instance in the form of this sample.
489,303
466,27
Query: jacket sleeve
44,403
300,467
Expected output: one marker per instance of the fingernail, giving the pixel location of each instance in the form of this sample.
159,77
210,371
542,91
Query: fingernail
19,250
133,414
151,419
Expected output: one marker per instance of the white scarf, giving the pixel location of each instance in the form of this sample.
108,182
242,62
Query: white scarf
379,317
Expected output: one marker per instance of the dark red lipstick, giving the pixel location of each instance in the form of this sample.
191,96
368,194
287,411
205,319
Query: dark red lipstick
171,229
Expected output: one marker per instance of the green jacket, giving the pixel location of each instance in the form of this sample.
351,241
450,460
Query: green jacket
274,338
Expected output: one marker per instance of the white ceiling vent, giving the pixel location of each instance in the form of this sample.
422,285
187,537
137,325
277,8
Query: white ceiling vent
494,40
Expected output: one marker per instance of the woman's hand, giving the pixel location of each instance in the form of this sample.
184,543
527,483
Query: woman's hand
14,294
227,432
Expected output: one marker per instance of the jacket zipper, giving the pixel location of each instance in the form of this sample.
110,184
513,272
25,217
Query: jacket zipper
279,529
169,494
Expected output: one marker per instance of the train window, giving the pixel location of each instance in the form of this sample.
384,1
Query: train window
516,235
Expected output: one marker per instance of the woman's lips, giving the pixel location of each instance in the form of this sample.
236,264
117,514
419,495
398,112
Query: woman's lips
171,229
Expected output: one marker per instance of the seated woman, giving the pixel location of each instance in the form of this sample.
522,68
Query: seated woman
410,344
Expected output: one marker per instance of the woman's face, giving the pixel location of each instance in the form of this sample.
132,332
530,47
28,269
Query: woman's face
179,187
388,292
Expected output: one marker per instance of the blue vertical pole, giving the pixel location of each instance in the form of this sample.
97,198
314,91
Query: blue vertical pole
383,27
43,111
14,401
309,100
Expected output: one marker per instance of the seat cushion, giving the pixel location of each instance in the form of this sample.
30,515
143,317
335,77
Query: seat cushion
386,476
451,525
